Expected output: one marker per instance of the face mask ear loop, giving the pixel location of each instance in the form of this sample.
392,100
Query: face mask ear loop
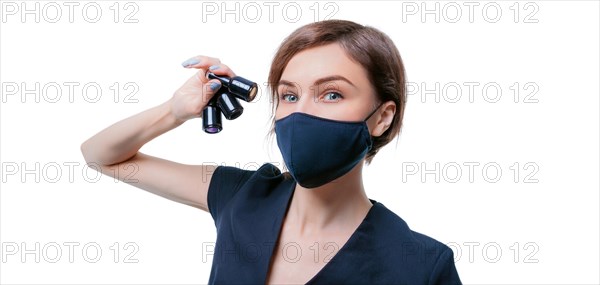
373,112
368,117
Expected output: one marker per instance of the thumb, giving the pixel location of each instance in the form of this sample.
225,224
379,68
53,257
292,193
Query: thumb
210,88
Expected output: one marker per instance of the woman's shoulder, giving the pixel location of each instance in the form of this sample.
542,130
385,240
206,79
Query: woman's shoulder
391,231
387,251
247,185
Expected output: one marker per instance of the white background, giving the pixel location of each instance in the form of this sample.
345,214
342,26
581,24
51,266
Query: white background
544,217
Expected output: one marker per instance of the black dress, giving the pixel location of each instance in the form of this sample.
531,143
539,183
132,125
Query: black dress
248,207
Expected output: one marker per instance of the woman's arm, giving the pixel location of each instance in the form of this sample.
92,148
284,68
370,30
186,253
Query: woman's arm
122,140
115,150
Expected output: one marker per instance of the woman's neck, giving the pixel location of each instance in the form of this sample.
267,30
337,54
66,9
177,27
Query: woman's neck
331,207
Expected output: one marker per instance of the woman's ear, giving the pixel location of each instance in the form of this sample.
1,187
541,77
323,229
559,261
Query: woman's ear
385,118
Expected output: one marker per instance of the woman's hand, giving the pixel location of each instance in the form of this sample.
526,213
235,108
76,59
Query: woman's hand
191,98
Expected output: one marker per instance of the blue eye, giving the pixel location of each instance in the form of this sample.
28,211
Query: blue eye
333,96
289,97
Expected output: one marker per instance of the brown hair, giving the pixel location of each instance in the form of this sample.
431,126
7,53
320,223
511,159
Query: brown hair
368,46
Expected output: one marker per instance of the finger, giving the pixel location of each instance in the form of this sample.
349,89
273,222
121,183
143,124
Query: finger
210,88
200,61
198,79
221,69
209,64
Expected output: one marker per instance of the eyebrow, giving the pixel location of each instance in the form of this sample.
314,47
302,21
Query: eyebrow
320,80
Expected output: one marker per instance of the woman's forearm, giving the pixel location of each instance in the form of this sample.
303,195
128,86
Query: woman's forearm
122,140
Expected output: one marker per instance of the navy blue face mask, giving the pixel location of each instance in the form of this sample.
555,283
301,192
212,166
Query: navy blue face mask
318,150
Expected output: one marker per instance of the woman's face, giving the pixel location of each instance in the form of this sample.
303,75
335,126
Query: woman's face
324,82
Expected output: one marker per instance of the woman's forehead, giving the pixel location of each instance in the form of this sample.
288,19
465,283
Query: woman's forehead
328,61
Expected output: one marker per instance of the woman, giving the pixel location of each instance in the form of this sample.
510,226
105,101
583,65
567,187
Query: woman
339,96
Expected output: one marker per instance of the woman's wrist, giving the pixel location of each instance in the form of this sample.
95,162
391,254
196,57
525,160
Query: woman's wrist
162,120
170,116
